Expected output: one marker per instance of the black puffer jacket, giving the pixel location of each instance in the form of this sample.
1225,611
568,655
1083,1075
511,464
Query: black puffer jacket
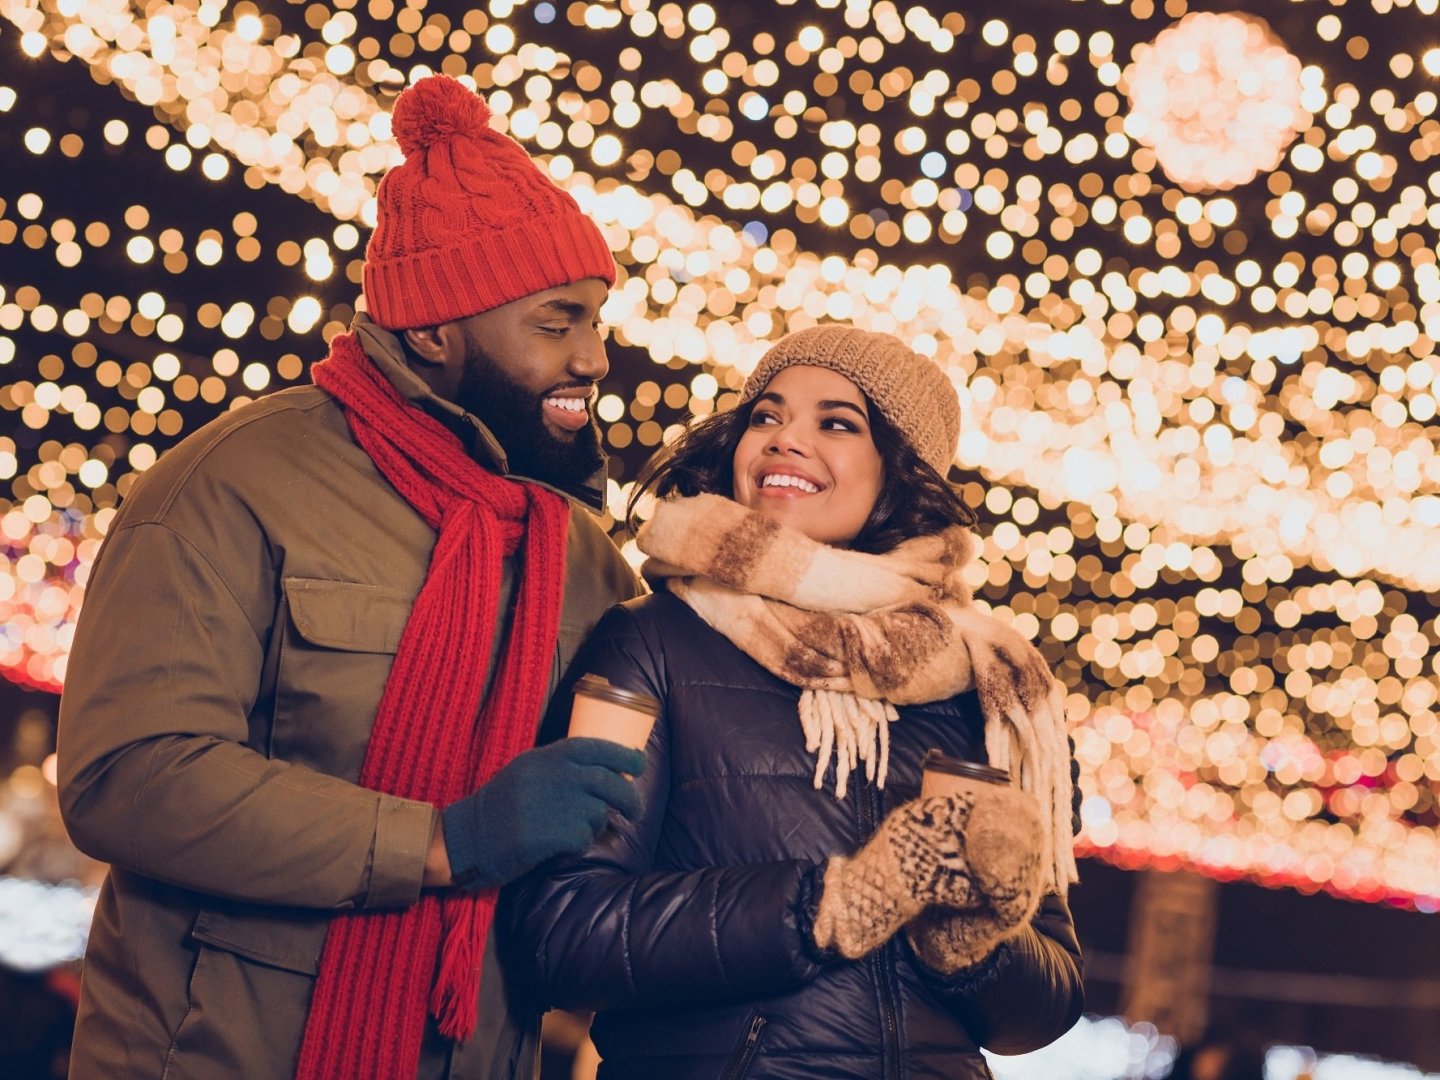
688,930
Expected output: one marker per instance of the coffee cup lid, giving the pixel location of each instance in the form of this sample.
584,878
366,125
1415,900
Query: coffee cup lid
935,761
599,687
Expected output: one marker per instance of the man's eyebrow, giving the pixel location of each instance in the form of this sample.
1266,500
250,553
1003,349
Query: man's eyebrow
572,308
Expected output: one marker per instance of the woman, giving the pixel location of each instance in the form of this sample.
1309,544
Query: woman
785,906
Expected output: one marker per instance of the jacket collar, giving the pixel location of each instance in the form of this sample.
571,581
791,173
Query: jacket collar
386,353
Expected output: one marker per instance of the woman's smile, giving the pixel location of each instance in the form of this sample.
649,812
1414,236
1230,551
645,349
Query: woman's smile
807,458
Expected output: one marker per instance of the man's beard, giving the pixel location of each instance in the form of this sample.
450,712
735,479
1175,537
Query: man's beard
513,415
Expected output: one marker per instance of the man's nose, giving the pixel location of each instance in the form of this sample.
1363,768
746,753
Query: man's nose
589,360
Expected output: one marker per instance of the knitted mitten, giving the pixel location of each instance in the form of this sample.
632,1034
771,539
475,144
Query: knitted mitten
948,941
915,858
1004,851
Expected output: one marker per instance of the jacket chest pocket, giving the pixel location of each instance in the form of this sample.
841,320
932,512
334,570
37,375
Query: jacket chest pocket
337,647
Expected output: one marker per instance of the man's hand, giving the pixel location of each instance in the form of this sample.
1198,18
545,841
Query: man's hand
553,800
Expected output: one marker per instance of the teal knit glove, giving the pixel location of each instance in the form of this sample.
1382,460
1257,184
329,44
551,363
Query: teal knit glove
553,800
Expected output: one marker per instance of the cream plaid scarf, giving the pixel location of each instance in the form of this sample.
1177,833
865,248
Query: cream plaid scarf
863,633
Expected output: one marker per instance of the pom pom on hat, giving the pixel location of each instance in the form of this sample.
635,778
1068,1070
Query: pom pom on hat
437,110
467,222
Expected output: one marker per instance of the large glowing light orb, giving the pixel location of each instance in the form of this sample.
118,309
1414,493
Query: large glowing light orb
1218,98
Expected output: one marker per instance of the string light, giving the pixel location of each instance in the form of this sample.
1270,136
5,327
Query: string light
1202,404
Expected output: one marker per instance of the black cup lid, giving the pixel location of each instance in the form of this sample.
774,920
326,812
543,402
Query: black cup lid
935,761
599,687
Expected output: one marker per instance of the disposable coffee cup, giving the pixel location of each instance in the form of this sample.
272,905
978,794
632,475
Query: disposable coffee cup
944,775
603,711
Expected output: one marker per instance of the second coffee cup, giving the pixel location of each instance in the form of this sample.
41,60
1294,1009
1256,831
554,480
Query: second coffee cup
603,711
942,774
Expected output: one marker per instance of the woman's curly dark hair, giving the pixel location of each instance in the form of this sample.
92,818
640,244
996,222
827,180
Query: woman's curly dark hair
914,499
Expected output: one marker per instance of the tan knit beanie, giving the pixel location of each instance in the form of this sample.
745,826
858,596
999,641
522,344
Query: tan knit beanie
911,391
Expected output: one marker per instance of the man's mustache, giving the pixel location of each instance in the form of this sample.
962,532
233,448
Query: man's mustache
590,388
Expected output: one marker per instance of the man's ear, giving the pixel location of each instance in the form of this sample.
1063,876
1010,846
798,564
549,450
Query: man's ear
429,345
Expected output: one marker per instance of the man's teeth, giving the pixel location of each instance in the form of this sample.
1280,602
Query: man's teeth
781,480
571,404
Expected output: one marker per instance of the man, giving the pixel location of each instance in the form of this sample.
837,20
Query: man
333,613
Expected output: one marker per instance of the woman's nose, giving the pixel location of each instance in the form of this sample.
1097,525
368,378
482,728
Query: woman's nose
786,440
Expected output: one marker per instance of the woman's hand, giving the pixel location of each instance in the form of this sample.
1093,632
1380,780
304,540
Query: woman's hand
976,849
948,941
1002,844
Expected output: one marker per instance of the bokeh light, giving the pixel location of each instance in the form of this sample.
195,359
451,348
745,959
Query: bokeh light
1197,361
1219,98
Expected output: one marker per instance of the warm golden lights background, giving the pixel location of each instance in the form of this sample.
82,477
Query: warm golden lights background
1180,263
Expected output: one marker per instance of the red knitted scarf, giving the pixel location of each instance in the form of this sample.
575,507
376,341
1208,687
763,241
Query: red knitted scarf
378,968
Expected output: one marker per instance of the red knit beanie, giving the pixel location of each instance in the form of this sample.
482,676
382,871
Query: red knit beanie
467,221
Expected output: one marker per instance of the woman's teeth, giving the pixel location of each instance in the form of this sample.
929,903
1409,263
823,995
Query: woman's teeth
780,480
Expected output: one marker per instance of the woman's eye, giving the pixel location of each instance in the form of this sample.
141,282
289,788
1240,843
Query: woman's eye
834,423
556,330
757,418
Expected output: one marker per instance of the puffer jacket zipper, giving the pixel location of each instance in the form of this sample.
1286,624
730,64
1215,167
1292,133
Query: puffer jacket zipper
744,1052
882,960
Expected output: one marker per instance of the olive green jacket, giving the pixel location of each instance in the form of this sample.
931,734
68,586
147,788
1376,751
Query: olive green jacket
237,632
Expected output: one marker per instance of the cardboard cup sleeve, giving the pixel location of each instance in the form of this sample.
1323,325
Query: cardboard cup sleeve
943,775
603,711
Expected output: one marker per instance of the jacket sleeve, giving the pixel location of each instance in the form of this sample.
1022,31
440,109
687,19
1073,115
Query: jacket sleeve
609,930
155,773
1027,993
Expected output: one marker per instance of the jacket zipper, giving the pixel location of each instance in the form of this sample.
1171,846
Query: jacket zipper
882,959
744,1052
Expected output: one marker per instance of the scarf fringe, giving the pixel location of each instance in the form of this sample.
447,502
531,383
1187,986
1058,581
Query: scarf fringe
453,997
1032,746
849,730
